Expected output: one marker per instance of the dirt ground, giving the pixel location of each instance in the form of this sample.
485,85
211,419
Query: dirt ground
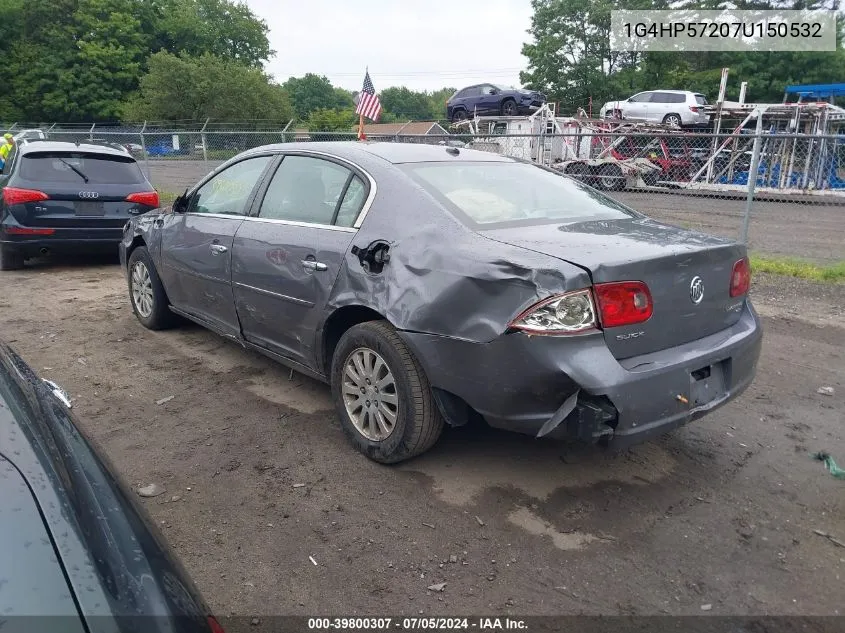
260,478
814,232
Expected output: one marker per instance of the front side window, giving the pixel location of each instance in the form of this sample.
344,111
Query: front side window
228,192
488,194
643,97
314,191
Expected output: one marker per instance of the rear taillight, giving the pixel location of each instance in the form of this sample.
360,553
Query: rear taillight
13,195
623,303
149,198
25,230
694,109
741,278
569,313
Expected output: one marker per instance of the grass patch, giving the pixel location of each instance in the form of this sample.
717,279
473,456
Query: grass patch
167,197
789,267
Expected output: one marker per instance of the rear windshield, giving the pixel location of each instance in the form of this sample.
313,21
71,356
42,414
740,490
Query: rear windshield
700,100
69,167
494,194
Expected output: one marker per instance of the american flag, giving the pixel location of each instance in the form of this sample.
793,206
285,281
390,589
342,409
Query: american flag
368,103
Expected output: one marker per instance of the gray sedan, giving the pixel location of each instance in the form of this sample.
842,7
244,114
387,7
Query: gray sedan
433,285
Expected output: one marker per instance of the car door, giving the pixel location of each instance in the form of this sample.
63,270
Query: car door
196,245
659,106
287,258
637,107
489,100
472,101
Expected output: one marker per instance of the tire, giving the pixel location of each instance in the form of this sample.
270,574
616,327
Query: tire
459,115
509,108
417,422
9,260
149,303
578,171
610,178
673,120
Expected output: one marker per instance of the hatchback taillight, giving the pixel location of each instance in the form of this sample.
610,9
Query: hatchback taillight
623,303
13,195
149,198
741,278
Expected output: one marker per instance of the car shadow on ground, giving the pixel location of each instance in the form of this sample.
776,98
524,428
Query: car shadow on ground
66,261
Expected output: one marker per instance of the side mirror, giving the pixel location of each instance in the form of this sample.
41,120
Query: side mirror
180,205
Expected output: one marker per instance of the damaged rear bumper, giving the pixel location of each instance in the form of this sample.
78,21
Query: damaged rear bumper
574,388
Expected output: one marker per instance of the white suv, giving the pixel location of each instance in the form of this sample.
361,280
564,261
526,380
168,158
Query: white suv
672,107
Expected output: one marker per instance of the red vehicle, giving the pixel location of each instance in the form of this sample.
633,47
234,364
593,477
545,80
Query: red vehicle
676,156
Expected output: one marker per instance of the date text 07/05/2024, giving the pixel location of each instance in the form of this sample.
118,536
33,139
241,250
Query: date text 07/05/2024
416,624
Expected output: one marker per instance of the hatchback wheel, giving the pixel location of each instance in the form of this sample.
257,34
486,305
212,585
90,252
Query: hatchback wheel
382,396
149,301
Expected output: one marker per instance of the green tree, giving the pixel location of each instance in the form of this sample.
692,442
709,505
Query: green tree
406,104
224,28
73,60
315,92
331,120
184,87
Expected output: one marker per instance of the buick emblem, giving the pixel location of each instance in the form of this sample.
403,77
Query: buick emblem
89,195
696,290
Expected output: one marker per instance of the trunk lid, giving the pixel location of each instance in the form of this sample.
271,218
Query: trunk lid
668,259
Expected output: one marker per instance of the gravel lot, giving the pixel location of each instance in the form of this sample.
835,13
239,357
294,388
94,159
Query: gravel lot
809,231
259,477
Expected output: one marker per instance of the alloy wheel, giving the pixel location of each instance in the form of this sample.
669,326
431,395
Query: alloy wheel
142,289
370,395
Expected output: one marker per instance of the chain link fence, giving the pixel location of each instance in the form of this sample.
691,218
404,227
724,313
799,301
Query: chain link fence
793,208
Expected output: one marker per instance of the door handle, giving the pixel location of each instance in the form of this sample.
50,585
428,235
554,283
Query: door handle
310,264
218,249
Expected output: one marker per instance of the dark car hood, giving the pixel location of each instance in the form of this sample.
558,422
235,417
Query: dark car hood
114,560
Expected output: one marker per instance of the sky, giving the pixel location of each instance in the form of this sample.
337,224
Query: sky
423,45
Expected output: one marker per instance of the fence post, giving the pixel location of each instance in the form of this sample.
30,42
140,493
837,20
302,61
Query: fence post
144,150
284,135
204,146
91,133
752,175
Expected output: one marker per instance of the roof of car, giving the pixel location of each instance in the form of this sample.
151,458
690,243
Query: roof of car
676,92
65,146
396,153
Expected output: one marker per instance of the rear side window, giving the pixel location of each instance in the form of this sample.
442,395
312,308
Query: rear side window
486,195
676,98
313,191
75,167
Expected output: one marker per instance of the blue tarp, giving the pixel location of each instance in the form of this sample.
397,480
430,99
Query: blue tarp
817,91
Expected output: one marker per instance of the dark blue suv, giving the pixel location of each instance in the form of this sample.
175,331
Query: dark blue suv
492,100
